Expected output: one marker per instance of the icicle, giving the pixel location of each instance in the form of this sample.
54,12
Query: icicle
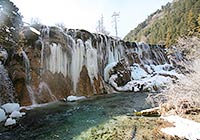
91,60
77,61
110,54
57,61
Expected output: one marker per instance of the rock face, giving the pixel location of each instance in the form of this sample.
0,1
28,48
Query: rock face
84,87
62,62
6,85
123,73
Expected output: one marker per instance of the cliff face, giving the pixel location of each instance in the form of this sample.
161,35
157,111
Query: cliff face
58,63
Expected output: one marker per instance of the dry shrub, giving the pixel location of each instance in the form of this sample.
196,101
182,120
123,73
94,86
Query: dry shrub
185,93
190,46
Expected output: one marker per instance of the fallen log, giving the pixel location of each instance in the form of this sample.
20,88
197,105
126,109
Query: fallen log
153,112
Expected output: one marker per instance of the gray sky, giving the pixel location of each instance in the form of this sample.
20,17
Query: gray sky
84,14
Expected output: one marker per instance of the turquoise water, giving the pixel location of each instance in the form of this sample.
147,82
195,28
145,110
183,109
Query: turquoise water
63,121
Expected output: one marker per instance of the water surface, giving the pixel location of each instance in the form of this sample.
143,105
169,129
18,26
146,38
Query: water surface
63,121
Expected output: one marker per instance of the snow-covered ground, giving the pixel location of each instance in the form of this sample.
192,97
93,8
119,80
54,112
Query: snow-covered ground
149,78
183,128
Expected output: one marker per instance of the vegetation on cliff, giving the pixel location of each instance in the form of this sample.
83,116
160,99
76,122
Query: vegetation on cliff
179,18
10,23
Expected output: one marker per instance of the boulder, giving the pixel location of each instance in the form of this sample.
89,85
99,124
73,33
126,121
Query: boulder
10,121
123,73
2,115
10,107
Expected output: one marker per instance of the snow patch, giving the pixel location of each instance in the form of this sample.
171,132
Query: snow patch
134,85
2,115
112,81
149,69
107,70
157,81
10,107
137,72
183,128
17,114
13,110
156,78
10,121
165,67
75,98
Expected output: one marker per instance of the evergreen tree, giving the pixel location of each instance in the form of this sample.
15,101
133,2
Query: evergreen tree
191,23
168,39
179,18
198,20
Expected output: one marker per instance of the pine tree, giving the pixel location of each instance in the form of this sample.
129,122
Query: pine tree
191,23
168,39
179,18
198,20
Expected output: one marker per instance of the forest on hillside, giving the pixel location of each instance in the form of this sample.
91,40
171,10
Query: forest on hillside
177,19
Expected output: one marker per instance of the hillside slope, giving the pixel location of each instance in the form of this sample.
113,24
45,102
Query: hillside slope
179,18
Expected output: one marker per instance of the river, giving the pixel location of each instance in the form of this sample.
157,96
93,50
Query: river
64,121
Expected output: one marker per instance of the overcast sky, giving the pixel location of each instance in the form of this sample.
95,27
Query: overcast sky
84,14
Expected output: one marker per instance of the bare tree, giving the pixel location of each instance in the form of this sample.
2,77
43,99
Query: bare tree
35,21
115,17
61,25
100,26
